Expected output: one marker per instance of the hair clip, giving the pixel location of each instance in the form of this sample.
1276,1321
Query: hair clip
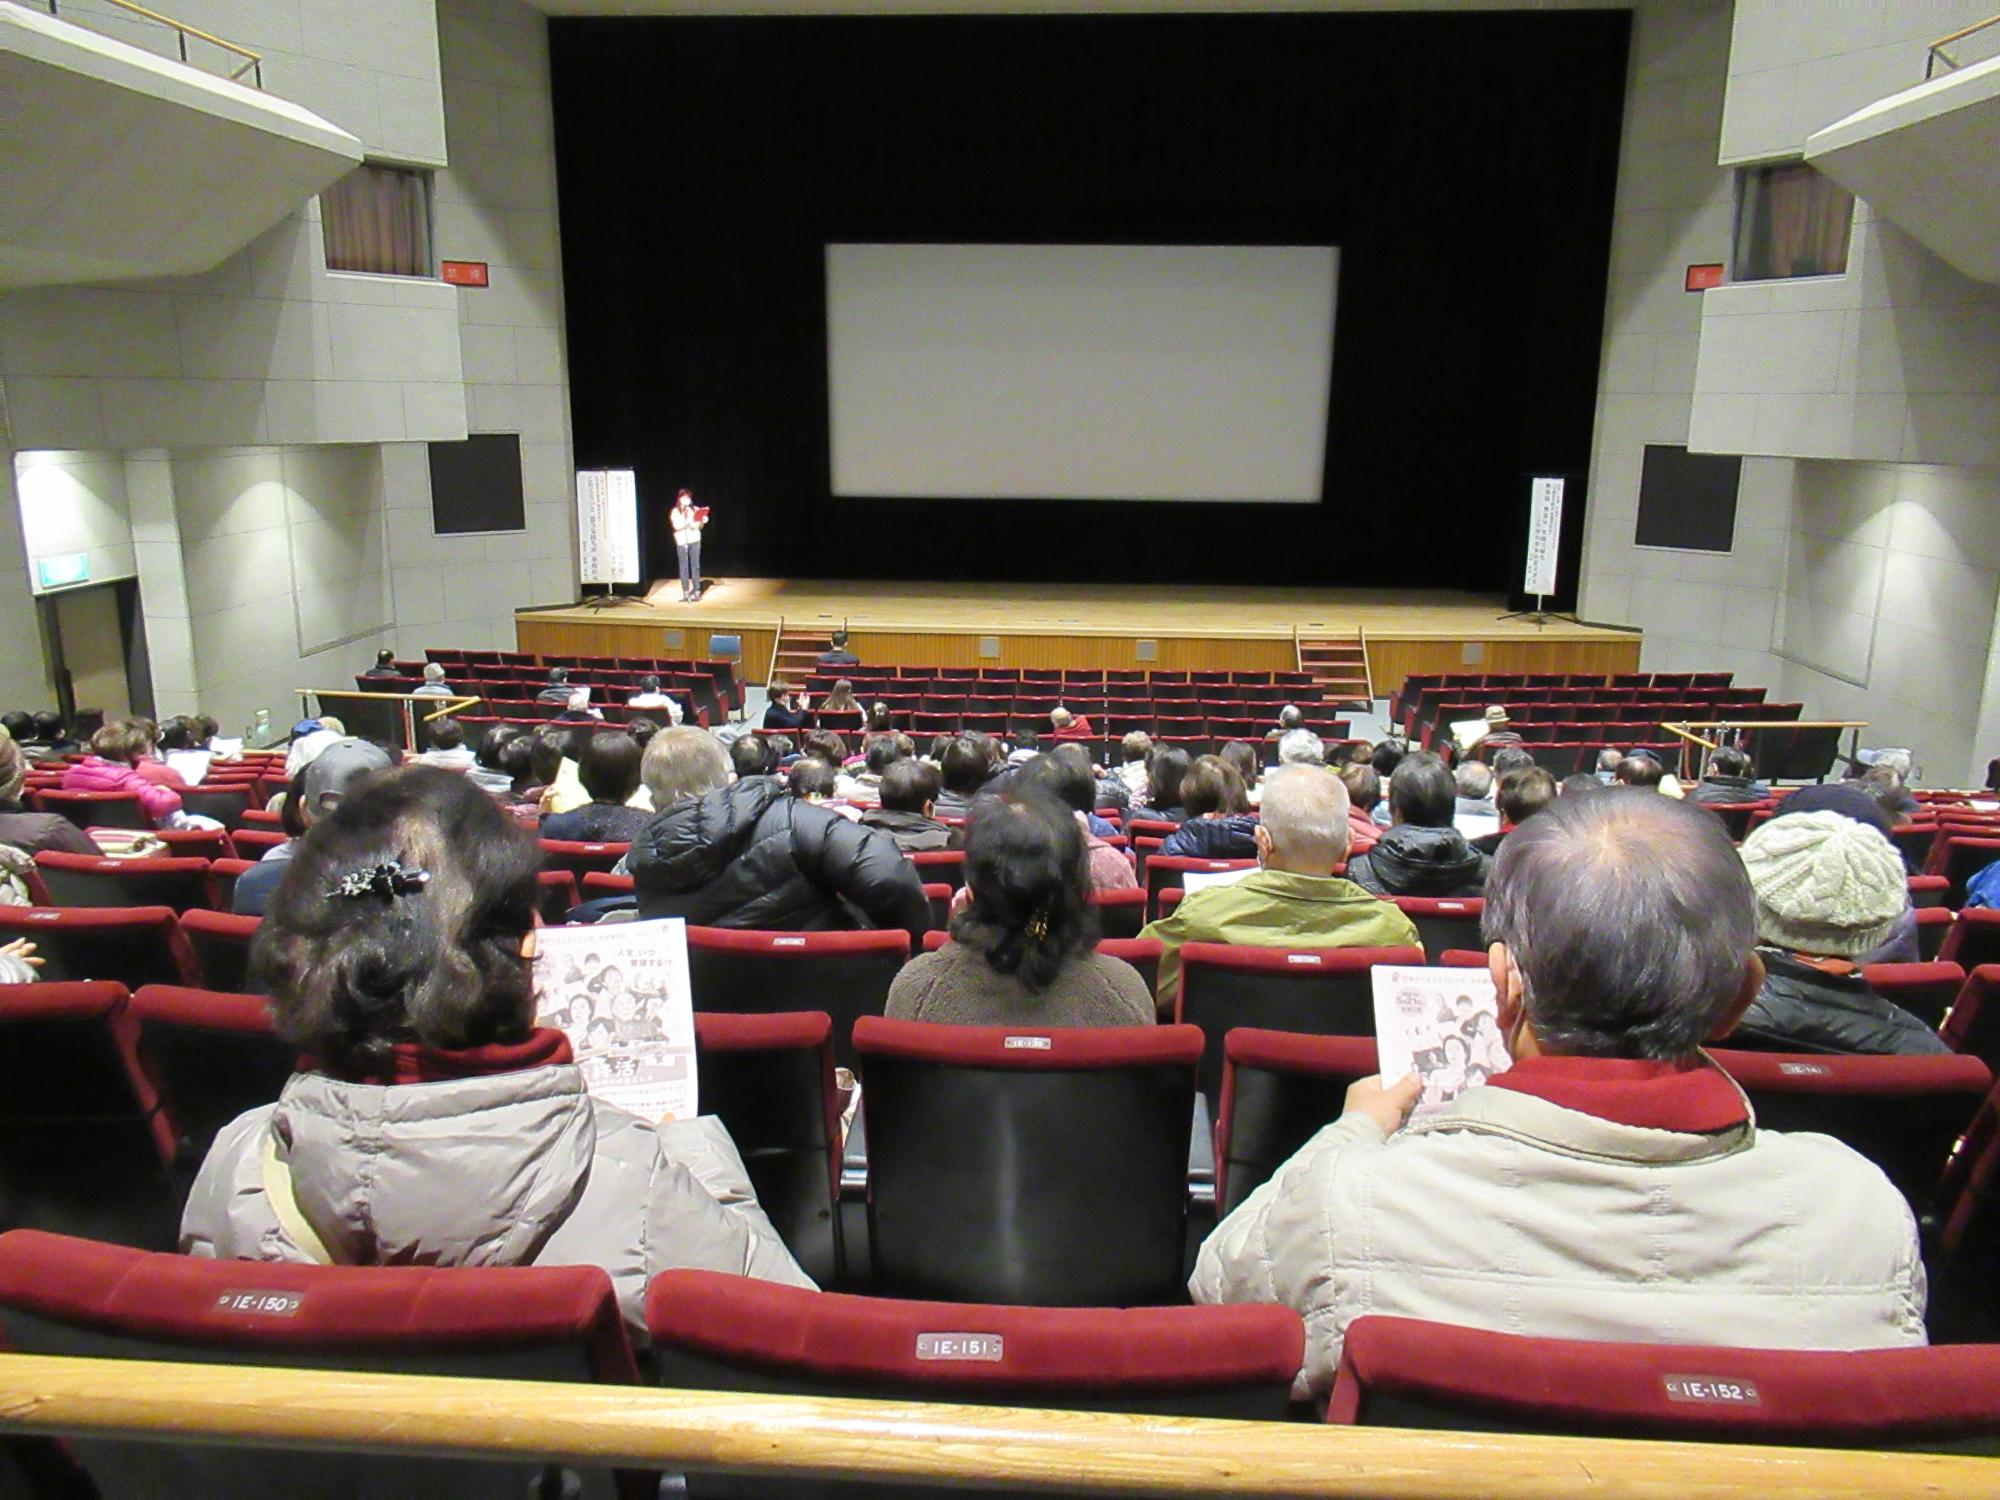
1038,926
388,879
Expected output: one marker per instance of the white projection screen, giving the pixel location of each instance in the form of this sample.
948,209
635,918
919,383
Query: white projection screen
1092,372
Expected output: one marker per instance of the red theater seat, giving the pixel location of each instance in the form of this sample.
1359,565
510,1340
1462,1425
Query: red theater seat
1399,1372
94,880
1973,1024
1974,939
82,1135
211,1056
581,858
1315,991
717,1332
70,1297
1165,872
1120,913
221,943
132,946
93,809
845,974
1019,1166
1278,1090
1444,922
769,1079
1903,1113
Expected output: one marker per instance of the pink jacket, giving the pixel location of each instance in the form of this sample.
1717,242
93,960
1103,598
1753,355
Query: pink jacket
95,774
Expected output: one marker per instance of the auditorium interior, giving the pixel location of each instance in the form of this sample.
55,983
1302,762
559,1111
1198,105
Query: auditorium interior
1358,383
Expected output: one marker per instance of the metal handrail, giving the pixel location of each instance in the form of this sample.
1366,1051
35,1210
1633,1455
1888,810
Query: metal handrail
253,63
1937,53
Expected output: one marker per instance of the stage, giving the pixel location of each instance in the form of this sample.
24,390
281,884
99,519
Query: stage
1161,626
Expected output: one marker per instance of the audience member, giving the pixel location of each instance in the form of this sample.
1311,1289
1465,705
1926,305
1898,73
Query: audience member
1641,770
32,832
967,764
1364,790
1133,751
1387,755
559,756
1421,853
1294,900
1523,792
1023,948
788,708
1064,777
863,786
578,710
1165,771
118,754
837,654
1242,755
433,685
1608,762
20,726
438,1124
1064,725
1290,718
649,697
812,780
609,771
749,855
314,793
487,771
56,736
1613,1178
1474,783
1582,781
840,709
385,665
909,794
1219,824
752,755
1027,745
19,962
1301,747
1885,785
1828,890
447,751
1500,731
557,689
1730,780
517,763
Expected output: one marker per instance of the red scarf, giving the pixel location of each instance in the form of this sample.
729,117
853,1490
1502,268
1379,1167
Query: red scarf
413,1062
1695,1100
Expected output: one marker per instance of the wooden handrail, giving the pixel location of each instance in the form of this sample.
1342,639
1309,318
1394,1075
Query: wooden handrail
1061,1452
253,61
1936,51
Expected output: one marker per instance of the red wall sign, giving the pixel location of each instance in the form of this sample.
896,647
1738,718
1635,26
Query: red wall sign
1699,278
463,272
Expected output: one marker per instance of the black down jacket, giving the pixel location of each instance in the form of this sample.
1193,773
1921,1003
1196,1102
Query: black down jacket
1804,1009
1414,861
749,855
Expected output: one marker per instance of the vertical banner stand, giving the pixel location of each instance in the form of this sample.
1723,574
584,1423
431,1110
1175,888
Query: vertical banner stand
607,533
1545,506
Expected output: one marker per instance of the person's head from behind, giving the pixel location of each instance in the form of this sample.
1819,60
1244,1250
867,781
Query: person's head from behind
609,769
910,786
1301,747
839,640
550,748
1290,717
49,728
1525,792
1422,792
1621,927
879,721
1727,760
123,742
1212,788
811,779
1826,884
1509,758
827,745
385,658
1027,874
1243,759
683,762
1060,779
965,765
1885,786
1580,783
1304,821
447,734
1165,772
177,733
336,772
649,683
751,755
884,750
433,674
20,726
1387,755
400,920
516,761
1641,771
1135,746
1028,740
1060,719
493,742
782,748
642,728
558,676
1364,787
1474,780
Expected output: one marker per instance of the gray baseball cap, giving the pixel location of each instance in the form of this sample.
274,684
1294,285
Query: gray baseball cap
338,767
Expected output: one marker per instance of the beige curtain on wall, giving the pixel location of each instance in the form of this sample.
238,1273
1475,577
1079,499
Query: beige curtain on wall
378,219
1792,222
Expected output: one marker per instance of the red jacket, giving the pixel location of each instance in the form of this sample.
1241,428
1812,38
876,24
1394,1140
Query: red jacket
1078,728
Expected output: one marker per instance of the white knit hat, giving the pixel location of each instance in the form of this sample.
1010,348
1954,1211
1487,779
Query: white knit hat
1825,884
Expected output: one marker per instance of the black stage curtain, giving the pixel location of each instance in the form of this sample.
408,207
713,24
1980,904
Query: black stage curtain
1464,164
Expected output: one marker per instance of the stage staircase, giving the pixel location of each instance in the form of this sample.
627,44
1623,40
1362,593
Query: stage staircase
1339,664
795,652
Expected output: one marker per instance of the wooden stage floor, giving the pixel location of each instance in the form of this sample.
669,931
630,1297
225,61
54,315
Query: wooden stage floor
1086,626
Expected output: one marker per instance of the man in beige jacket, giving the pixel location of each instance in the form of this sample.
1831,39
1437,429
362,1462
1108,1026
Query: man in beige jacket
1613,1183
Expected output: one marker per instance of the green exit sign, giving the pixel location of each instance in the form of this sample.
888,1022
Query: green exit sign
62,572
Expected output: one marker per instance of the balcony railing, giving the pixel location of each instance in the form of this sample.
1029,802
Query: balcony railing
250,62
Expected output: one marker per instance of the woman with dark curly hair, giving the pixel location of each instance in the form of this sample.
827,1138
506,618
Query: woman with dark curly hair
432,1121
1023,951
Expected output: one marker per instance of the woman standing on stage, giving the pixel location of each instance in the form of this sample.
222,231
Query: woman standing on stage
687,520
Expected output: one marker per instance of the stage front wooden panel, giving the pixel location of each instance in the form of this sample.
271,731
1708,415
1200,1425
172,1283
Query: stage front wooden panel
1158,627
